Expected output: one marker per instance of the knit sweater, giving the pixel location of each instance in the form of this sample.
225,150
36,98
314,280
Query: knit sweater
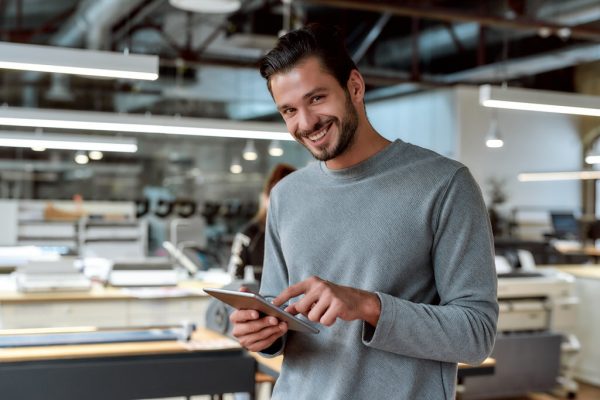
409,225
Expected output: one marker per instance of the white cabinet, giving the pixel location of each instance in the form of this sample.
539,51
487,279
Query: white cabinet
107,312
47,233
113,239
588,329
63,313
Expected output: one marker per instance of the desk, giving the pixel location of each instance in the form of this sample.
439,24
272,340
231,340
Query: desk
105,307
209,364
568,249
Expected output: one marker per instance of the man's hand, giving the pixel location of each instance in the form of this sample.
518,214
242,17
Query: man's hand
256,333
325,302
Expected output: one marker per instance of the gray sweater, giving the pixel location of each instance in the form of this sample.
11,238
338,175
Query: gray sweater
409,225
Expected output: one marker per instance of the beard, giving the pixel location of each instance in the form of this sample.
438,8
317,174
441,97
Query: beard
347,131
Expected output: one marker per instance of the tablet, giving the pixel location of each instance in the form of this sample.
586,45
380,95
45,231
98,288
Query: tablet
252,301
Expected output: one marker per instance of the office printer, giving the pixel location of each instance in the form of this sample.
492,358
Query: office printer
535,349
55,275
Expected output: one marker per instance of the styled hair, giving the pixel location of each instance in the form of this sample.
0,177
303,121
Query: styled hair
279,172
321,41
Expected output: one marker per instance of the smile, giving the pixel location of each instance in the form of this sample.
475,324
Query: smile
315,137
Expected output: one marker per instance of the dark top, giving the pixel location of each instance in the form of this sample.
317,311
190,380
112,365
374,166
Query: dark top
248,249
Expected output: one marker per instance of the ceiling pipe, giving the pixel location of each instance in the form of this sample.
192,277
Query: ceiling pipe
452,15
437,41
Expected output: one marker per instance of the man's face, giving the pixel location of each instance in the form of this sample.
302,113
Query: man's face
318,112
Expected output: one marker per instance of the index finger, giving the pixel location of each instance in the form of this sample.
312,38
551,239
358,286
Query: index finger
290,292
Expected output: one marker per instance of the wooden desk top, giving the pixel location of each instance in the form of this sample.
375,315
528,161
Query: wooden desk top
273,365
577,249
202,340
577,270
99,292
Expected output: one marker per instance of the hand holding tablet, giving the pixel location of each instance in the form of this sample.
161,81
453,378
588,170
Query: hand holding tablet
252,301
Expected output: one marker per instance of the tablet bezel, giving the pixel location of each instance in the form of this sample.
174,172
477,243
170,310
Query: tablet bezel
253,301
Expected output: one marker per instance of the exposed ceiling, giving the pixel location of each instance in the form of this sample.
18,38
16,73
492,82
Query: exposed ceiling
533,43
208,61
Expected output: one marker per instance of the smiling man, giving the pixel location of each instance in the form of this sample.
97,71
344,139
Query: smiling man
385,244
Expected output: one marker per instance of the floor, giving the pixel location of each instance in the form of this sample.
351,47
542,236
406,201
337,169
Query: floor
586,392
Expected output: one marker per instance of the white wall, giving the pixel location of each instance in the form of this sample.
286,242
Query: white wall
451,122
533,142
426,119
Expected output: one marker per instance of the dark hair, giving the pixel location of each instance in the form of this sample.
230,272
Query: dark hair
321,41
279,172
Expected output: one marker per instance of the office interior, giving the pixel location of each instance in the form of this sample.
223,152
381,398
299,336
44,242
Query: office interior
136,137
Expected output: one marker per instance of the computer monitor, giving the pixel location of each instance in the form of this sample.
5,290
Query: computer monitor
565,225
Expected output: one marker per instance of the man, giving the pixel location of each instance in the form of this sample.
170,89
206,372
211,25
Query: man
385,244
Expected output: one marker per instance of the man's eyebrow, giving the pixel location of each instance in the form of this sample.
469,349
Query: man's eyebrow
313,92
306,96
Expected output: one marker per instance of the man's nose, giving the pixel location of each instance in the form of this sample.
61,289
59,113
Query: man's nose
307,121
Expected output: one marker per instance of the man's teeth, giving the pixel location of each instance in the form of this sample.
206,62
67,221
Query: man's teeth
316,136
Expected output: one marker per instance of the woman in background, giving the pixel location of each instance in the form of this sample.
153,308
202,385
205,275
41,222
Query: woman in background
249,243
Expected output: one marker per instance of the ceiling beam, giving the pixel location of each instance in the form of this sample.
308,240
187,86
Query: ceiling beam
453,15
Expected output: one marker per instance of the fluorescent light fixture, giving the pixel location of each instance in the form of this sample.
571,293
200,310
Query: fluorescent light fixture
275,148
62,60
592,159
249,152
102,121
558,176
67,142
208,6
539,100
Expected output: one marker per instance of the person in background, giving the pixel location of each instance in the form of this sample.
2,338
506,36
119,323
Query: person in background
249,243
385,244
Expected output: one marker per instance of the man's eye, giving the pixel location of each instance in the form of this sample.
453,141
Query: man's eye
288,111
316,99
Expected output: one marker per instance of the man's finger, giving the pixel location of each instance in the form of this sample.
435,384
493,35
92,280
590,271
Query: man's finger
243,316
291,292
266,342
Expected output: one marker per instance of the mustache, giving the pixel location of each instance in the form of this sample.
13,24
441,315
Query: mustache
317,127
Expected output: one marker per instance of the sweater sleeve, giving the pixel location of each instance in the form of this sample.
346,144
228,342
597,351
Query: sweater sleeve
462,327
275,276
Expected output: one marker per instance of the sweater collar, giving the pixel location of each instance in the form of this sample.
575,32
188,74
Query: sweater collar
364,167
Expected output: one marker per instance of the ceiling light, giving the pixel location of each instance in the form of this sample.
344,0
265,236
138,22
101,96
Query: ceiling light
249,152
493,138
236,166
96,155
103,121
62,60
38,148
539,100
67,142
275,148
208,6
592,159
558,176
81,158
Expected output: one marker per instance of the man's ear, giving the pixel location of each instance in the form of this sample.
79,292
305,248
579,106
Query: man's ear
356,86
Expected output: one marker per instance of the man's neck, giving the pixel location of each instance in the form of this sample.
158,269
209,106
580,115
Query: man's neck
367,143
